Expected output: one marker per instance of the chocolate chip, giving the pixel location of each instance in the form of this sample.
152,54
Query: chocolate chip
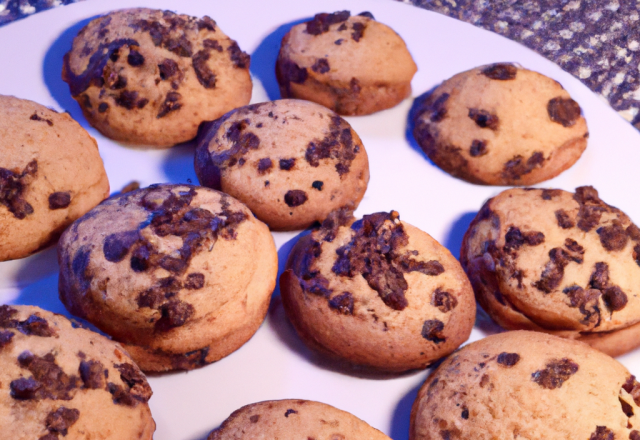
338,145
168,68
591,207
432,331
613,237
358,31
135,58
13,184
321,66
239,58
175,313
204,74
288,71
287,164
515,239
103,107
564,111
548,194
342,303
636,254
508,359
478,148
140,258
321,22
127,99
7,314
484,119
500,71
139,389
93,374
290,411
614,298
586,301
317,184
49,381
24,389
34,325
564,219
366,14
60,420
212,44
634,435
626,408
573,246
600,277
207,23
264,165
59,200
181,46
555,373
116,246
444,301
633,232
170,104
295,197
517,167
553,271
194,281
35,117
254,418
5,338
602,433
338,42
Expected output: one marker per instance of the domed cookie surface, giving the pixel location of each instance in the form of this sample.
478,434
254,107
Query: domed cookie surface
181,275
527,385
554,261
51,173
353,65
57,381
291,162
150,77
377,292
501,125
292,420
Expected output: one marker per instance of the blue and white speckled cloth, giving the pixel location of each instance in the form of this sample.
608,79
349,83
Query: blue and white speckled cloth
598,41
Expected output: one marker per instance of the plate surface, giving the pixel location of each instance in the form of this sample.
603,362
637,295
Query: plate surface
274,364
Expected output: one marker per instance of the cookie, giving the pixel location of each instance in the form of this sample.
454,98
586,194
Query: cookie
553,261
180,275
353,65
150,77
501,125
51,173
377,292
59,381
291,162
293,420
527,385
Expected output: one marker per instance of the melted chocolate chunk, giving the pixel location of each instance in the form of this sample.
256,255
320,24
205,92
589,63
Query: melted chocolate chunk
484,119
500,71
634,435
181,46
60,420
591,207
207,23
478,148
170,104
168,68
317,184
93,374
139,389
508,359
614,237
288,71
366,14
517,167
432,331
254,418
337,145
342,303
5,338
444,301
548,194
602,433
35,117
295,197
564,111
239,58
290,411
636,254
564,219
24,389
358,31
633,232
555,373
127,99
321,22
194,281
103,107
116,246
204,74
34,325
437,107
135,58
554,270
59,200
49,381
12,186
600,276
321,66
212,44
264,165
174,313
586,301
515,239
287,164
614,298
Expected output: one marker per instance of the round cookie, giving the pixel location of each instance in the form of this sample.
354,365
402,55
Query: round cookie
377,292
501,125
293,420
291,162
57,381
180,275
553,261
150,77
527,385
352,65
51,173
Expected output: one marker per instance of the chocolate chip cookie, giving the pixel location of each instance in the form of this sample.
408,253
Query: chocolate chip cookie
353,65
51,173
180,275
151,77
550,260
291,162
501,125
527,385
292,420
58,381
377,292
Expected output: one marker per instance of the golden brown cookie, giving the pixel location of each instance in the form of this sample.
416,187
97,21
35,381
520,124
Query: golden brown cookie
293,420
57,381
553,261
51,173
291,162
501,125
181,275
353,65
377,292
527,385
151,77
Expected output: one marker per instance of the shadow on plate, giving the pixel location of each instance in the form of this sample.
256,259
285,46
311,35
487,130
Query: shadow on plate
263,59
177,164
52,71
453,241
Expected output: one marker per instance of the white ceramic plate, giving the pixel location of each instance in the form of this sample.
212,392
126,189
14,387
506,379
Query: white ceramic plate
275,364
